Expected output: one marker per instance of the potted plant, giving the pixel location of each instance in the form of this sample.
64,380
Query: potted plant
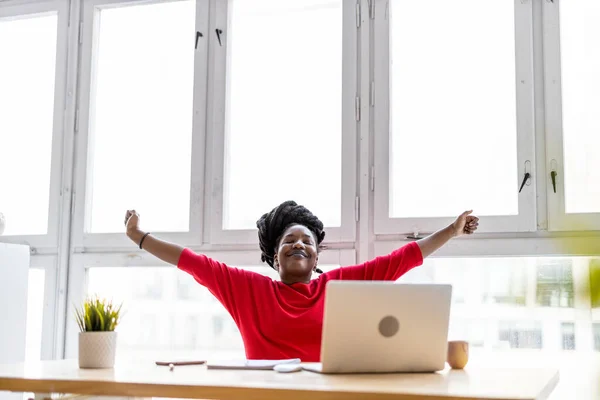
97,320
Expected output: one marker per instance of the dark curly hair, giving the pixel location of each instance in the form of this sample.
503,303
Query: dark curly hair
272,225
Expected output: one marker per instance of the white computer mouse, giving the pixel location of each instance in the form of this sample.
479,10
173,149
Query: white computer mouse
287,368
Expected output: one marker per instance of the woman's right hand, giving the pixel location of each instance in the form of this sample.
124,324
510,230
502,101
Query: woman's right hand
168,252
132,223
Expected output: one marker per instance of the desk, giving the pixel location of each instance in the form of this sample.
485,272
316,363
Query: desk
199,383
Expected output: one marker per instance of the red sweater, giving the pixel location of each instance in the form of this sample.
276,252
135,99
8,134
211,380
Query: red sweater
279,321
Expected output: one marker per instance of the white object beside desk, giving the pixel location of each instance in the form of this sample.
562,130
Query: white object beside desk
14,275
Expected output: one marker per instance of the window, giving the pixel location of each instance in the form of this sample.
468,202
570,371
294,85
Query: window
34,169
166,323
496,302
490,281
521,335
580,63
287,112
468,329
465,84
192,326
463,111
27,79
507,282
596,333
154,327
139,89
568,335
189,289
304,85
383,118
555,285
572,86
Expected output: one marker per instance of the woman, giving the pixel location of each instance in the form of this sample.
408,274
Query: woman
283,319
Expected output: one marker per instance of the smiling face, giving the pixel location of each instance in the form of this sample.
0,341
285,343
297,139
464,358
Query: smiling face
297,254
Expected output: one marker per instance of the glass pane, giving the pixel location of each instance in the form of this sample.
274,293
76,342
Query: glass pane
580,53
596,333
141,125
283,125
555,284
168,314
27,80
35,314
520,335
568,335
503,303
496,308
453,108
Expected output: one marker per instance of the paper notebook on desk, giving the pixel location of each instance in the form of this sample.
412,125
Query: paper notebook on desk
250,364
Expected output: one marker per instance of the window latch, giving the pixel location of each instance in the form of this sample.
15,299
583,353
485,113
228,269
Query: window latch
526,177
198,36
415,236
219,32
553,176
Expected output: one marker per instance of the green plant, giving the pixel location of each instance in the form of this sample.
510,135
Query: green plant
98,315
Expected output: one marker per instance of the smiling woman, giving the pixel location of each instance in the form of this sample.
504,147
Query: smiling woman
283,319
290,238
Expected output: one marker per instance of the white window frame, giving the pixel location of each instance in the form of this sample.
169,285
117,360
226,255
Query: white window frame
82,240
525,221
216,140
81,262
22,10
558,219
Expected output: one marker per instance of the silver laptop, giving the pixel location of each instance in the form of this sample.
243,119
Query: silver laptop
371,327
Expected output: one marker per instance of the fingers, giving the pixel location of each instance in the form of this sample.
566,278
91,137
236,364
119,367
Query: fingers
129,214
469,230
471,227
471,224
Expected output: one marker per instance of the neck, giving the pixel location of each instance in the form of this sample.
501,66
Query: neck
290,280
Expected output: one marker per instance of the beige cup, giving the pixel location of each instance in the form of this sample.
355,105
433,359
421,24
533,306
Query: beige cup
458,354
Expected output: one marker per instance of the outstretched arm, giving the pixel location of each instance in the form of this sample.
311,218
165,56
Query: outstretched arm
168,252
465,224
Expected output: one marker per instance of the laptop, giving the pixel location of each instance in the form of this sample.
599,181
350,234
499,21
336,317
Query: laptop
376,327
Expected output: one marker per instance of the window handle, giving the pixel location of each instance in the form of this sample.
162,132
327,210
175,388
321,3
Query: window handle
553,176
198,36
525,179
219,32
415,236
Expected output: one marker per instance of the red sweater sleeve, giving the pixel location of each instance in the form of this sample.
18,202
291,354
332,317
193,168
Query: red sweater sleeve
229,285
383,268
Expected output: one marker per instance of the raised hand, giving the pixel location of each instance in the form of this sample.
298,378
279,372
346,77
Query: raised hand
465,224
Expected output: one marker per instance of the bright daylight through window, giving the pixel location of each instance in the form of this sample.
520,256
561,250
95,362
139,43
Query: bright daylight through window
141,117
580,63
284,115
27,85
452,124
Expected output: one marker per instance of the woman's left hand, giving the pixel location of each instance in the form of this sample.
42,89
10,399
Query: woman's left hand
465,224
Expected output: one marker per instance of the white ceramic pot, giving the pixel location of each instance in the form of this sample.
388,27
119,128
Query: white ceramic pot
2,223
97,349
